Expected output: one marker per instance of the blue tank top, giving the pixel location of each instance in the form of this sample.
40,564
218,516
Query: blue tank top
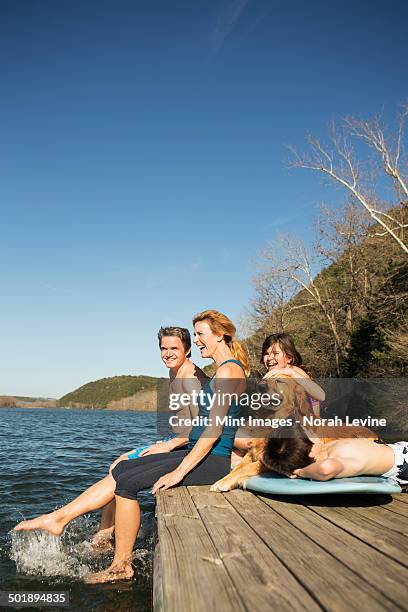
224,444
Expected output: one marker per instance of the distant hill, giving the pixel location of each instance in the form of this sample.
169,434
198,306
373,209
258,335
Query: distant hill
17,401
115,393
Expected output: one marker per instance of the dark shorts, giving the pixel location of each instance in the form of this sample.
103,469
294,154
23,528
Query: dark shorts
135,475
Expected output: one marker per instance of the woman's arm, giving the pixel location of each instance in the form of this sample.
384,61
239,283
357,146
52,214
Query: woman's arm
224,386
201,449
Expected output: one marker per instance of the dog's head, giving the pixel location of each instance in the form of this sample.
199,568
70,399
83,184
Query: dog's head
293,400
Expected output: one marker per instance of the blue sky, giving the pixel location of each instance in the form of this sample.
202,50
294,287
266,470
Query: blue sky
143,162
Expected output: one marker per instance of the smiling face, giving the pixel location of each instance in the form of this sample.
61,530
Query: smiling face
173,353
275,357
205,340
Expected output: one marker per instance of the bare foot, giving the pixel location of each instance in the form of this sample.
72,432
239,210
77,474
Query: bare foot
46,522
102,547
102,540
112,574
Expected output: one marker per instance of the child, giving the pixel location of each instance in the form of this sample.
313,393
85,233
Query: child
304,457
280,356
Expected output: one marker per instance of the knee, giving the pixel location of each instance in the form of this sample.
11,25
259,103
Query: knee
117,470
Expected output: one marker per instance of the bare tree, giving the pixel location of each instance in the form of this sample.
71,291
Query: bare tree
290,282
341,241
338,162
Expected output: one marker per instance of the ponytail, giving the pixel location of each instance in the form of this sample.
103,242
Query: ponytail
240,353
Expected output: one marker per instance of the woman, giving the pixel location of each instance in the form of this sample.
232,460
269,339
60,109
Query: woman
206,460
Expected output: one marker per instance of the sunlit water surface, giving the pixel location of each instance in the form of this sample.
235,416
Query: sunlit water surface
47,458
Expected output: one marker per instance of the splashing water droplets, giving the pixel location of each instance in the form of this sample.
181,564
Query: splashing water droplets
37,553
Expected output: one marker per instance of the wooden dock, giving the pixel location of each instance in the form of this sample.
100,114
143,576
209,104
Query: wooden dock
236,551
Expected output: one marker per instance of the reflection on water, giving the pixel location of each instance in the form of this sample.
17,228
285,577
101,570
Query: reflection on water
47,458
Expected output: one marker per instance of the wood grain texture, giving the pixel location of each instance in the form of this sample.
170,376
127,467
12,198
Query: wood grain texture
194,578
335,585
259,553
260,578
365,561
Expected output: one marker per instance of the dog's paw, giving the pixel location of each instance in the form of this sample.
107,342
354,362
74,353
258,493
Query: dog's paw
220,487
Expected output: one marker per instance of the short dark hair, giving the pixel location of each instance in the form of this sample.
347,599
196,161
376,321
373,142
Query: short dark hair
179,332
287,450
285,342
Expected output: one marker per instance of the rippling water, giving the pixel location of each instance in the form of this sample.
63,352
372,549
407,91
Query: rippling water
47,457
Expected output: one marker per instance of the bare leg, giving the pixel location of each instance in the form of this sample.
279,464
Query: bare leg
95,497
127,525
108,516
102,538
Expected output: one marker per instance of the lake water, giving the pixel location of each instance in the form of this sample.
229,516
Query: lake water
47,457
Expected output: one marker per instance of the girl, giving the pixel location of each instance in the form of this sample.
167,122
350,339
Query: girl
206,460
280,356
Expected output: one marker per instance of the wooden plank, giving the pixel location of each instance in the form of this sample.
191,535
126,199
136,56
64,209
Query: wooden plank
261,579
361,558
386,541
401,497
383,518
335,586
158,605
398,508
194,578
387,502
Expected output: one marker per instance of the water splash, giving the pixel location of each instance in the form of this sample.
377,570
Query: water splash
38,553
143,561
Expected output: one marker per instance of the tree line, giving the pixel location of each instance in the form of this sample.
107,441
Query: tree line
344,297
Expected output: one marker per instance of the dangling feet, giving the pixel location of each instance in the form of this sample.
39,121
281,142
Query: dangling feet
117,571
102,540
47,522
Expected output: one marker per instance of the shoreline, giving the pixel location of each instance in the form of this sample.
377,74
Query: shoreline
107,409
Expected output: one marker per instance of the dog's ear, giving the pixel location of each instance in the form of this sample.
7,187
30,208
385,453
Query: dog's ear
286,389
303,404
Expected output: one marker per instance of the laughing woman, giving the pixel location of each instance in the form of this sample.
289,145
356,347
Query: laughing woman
206,460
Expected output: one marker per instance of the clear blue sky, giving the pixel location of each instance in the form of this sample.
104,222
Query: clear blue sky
142,162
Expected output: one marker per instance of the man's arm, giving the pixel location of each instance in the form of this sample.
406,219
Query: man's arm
164,447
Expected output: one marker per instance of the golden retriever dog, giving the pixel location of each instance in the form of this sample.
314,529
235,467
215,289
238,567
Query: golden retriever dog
294,404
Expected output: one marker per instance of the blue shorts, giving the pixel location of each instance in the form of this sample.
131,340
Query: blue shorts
137,451
140,449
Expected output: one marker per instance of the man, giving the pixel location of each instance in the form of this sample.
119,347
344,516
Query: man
185,378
